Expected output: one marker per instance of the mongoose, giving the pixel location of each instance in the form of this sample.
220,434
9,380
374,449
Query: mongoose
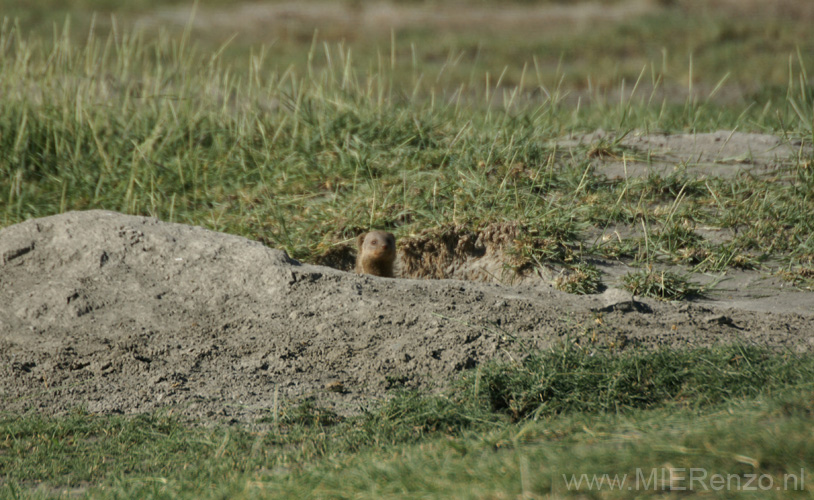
377,253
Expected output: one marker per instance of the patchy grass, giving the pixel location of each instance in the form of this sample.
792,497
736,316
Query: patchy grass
587,48
581,279
801,277
306,156
503,429
660,284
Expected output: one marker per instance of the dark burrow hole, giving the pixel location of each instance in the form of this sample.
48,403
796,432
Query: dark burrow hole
453,252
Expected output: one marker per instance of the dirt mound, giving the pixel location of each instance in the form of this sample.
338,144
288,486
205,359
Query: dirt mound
459,253
123,314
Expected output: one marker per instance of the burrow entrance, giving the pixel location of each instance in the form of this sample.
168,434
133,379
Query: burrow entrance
492,254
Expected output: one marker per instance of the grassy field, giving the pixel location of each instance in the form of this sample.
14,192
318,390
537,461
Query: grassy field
506,430
302,140
304,156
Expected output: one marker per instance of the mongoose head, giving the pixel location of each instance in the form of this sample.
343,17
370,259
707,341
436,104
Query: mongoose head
377,253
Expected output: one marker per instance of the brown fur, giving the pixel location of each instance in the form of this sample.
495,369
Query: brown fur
377,253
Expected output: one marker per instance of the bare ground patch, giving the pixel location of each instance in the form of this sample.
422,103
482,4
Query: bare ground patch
126,314
346,19
724,154
123,314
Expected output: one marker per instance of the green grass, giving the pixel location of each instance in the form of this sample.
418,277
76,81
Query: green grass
503,429
581,279
303,158
302,141
686,45
800,276
660,284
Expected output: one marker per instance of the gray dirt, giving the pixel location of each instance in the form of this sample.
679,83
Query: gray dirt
125,314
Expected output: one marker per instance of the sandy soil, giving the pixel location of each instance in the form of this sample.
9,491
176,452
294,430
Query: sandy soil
125,314
723,154
285,17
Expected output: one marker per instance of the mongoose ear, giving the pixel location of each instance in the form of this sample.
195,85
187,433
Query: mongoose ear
360,240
